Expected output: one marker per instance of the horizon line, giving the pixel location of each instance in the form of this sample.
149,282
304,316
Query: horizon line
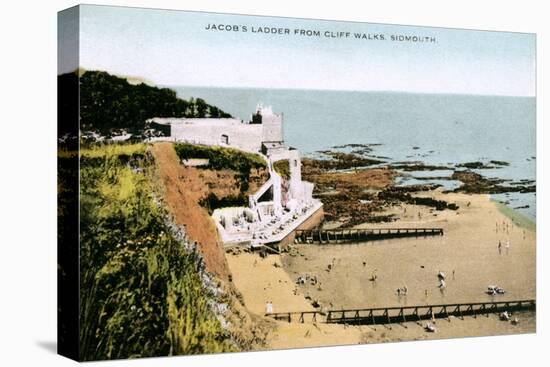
144,80
349,90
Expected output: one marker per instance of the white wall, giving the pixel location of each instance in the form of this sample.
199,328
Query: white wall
242,136
272,128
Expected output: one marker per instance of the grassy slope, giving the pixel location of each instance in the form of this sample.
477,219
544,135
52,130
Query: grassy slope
141,291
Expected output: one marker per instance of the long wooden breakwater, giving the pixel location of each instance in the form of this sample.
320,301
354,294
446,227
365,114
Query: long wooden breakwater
401,314
343,236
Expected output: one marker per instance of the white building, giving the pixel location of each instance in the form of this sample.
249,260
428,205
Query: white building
281,205
264,126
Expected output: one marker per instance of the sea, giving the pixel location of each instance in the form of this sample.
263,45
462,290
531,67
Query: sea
434,129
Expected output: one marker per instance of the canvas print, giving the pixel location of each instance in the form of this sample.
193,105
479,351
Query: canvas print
241,183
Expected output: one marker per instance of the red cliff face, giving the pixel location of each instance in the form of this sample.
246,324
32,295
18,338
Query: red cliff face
183,189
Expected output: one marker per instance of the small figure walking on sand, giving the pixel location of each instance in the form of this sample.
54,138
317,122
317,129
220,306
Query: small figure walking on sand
453,274
373,275
499,247
426,292
268,308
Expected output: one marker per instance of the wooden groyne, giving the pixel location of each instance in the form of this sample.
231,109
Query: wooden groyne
299,316
401,314
342,236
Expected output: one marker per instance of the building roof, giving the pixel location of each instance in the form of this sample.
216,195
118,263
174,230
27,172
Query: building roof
193,121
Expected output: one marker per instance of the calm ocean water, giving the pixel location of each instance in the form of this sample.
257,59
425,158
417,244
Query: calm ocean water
430,128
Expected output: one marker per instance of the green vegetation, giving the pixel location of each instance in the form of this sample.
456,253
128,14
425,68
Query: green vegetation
223,158
282,167
109,103
141,292
211,202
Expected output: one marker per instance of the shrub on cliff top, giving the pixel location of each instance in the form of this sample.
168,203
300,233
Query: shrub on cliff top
282,167
223,158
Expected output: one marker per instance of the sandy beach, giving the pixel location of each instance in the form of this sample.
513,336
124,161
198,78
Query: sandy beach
468,254
469,249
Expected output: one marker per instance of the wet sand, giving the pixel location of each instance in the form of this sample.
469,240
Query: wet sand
469,247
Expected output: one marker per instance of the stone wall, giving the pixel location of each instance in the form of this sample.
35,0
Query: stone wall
312,222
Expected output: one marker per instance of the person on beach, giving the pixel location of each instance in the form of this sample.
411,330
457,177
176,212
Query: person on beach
373,275
268,308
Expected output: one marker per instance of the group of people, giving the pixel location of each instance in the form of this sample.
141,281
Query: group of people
402,291
441,276
303,279
505,227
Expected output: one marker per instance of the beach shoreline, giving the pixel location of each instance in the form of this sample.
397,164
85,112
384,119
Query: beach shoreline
517,217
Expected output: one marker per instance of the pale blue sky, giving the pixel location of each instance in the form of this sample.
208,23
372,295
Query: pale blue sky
173,48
